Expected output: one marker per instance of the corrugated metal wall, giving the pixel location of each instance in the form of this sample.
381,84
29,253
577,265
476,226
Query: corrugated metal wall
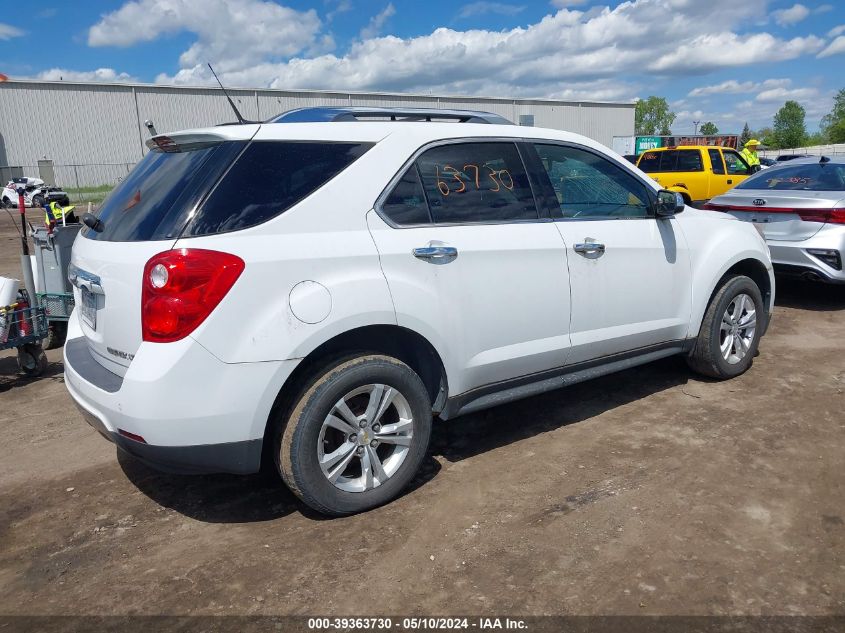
100,126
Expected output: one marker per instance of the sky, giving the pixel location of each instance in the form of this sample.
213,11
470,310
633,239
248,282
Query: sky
725,61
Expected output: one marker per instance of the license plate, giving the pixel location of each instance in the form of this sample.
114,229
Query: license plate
89,308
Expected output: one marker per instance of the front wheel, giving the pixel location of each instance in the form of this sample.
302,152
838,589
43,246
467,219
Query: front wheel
356,438
730,332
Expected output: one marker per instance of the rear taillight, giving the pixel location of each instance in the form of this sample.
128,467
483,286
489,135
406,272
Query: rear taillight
181,288
832,216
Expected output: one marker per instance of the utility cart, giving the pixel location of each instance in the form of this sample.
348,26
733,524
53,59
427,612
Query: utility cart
55,294
24,327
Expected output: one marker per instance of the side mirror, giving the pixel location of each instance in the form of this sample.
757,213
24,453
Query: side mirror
668,203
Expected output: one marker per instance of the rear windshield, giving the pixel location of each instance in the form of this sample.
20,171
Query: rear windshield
260,180
671,160
806,177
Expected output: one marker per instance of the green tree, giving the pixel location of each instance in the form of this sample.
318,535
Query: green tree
652,116
789,128
708,128
746,135
836,133
831,122
766,137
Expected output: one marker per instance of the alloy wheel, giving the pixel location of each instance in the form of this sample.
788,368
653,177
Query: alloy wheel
738,328
365,438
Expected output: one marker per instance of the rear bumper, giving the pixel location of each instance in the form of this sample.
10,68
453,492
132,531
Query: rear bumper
239,458
195,413
794,258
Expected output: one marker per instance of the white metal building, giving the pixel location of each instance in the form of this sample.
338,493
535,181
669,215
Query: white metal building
94,132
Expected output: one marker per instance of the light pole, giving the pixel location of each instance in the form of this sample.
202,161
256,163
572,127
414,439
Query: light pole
695,131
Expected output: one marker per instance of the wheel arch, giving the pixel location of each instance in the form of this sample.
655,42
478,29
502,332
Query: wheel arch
402,343
685,194
752,268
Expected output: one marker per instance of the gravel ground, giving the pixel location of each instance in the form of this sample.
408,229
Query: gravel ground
650,492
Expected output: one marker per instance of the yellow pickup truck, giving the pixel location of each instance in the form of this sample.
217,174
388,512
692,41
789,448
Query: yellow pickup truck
697,172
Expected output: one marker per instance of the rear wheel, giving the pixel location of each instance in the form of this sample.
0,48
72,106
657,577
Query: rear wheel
38,200
356,437
730,332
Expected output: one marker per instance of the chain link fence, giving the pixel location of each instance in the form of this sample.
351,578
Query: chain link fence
815,150
89,182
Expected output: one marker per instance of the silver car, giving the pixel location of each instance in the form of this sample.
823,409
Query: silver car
799,207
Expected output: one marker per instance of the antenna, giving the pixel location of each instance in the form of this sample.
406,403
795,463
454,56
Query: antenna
231,103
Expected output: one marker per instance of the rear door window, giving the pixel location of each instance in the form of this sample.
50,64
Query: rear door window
406,204
476,182
716,161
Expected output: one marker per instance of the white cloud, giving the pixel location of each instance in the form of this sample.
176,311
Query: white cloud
343,6
792,15
724,50
834,48
482,8
7,31
823,8
779,95
600,54
733,86
563,4
836,30
377,22
233,34
108,75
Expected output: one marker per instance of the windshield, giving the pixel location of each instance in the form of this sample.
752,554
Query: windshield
804,177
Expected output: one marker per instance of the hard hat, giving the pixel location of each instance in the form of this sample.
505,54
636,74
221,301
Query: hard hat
753,141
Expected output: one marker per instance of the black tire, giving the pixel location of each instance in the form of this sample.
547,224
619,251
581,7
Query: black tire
296,437
32,360
56,334
7,204
706,357
38,200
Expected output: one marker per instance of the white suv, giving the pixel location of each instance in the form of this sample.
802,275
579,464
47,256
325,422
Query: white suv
310,294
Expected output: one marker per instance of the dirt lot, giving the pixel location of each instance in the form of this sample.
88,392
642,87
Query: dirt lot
647,492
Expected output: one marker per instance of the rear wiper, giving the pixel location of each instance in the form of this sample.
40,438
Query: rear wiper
93,222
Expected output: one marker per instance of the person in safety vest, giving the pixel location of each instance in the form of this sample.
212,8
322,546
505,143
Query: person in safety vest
749,154
54,212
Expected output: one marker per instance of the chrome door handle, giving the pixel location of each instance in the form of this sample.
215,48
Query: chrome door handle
436,254
589,249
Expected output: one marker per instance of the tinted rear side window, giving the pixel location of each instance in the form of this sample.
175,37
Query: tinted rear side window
654,162
476,182
689,160
812,177
268,179
153,202
406,203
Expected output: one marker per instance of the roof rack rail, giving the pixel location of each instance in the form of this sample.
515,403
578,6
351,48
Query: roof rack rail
358,113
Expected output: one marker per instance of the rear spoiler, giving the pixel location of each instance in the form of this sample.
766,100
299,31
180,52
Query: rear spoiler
183,142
